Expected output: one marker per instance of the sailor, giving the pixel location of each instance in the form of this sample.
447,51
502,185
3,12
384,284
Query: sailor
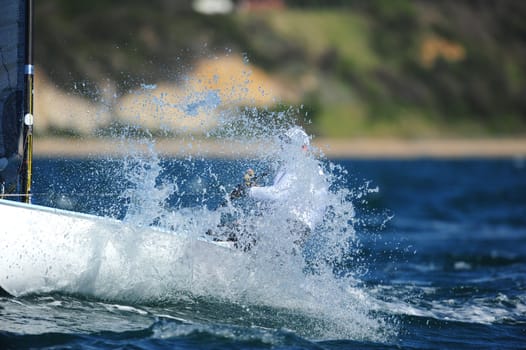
299,185
299,192
249,180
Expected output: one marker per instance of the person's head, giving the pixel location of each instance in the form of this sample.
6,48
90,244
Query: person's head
297,137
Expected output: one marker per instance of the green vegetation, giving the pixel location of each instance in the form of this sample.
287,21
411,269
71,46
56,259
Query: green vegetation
361,68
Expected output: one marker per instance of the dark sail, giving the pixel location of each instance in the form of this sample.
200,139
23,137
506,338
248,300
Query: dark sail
15,65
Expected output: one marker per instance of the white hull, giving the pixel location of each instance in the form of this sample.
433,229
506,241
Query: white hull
46,250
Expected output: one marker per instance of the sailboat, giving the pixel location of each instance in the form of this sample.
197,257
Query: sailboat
45,249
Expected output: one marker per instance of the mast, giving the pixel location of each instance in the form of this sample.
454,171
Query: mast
29,69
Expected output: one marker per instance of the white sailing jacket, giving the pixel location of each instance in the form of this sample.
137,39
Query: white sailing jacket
304,196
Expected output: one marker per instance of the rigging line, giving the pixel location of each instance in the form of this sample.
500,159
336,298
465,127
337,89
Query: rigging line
21,155
2,195
64,195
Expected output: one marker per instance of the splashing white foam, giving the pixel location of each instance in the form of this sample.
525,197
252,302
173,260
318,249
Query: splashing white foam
275,271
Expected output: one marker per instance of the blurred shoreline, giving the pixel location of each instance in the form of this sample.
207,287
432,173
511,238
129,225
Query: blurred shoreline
332,148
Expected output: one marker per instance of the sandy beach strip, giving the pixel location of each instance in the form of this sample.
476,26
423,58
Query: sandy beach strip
332,148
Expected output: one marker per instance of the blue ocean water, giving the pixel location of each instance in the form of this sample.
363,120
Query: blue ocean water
439,261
